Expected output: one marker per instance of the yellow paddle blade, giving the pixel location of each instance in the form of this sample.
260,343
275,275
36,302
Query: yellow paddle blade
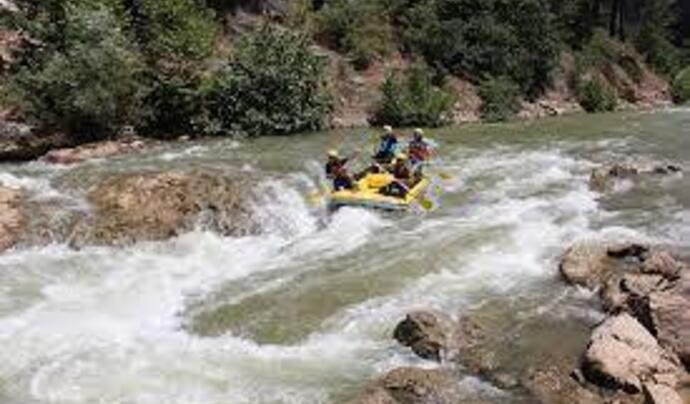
426,204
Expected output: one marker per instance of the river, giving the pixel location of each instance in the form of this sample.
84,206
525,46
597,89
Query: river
304,312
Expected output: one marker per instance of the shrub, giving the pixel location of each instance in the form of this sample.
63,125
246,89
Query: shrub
596,95
413,100
513,38
359,28
93,85
175,106
681,86
272,85
174,30
602,51
500,99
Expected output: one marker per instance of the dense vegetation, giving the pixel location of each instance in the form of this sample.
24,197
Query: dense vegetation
162,66
412,99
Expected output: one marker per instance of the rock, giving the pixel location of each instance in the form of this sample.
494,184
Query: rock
18,142
666,169
603,178
590,264
12,219
92,151
661,394
670,315
411,386
630,293
622,354
427,333
551,385
159,205
662,263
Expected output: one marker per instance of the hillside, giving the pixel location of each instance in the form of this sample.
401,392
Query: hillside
180,67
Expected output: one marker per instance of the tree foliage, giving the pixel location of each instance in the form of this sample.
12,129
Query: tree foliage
500,99
272,85
92,85
411,99
681,86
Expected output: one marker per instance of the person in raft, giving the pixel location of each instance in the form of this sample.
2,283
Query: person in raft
402,177
387,146
336,170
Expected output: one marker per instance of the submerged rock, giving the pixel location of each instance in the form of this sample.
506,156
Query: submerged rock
411,386
427,333
159,205
92,151
622,354
603,178
12,219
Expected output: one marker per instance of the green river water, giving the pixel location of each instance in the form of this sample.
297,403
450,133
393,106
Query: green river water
304,311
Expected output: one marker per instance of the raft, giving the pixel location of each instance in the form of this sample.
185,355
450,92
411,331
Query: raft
367,194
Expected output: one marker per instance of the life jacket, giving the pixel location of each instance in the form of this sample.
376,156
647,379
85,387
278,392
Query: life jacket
335,167
387,146
419,150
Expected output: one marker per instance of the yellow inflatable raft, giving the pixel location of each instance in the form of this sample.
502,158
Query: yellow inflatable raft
367,194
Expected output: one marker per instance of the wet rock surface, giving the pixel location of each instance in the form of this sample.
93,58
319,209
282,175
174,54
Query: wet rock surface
12,218
410,385
670,316
427,333
19,142
128,208
93,151
603,179
642,346
622,354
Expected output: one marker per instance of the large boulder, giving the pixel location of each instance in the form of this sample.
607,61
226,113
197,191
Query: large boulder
90,151
158,205
410,385
429,334
622,354
19,142
12,218
591,264
670,316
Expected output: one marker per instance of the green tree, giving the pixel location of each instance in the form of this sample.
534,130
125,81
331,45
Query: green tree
500,99
92,85
360,28
413,100
596,95
681,86
272,85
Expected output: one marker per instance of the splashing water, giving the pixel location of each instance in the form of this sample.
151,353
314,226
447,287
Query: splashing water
303,312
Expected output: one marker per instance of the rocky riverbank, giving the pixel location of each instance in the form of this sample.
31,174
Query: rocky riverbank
638,353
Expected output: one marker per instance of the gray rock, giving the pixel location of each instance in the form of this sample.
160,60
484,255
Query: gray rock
411,386
670,312
622,354
158,205
661,394
427,333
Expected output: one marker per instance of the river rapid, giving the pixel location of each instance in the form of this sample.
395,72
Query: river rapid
304,311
